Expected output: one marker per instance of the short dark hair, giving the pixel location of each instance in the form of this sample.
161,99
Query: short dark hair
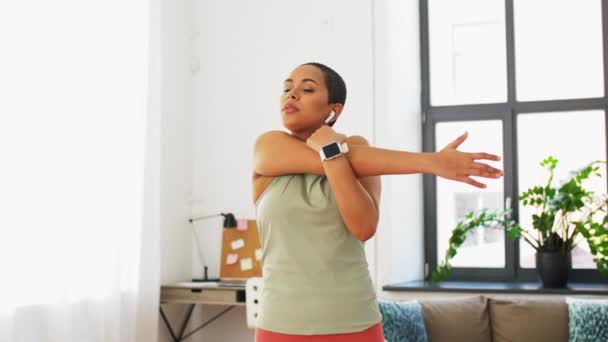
336,88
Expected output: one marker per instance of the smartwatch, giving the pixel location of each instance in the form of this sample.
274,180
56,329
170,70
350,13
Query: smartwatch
333,150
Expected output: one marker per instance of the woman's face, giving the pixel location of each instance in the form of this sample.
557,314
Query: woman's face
304,100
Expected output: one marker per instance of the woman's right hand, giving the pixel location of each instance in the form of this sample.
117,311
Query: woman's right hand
452,164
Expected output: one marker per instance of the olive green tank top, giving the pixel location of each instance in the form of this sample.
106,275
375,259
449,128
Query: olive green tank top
316,277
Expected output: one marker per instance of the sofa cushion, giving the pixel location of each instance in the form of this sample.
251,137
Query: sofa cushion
457,319
588,319
522,319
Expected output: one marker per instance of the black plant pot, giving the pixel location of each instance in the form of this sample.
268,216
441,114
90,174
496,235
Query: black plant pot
553,268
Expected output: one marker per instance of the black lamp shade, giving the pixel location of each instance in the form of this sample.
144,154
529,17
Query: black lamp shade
229,220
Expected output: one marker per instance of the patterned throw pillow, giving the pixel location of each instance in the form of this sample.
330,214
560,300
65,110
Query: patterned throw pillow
402,321
587,319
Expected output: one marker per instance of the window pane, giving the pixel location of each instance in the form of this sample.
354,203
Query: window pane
558,47
483,247
467,48
574,139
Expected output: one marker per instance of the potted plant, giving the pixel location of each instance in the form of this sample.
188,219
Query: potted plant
565,215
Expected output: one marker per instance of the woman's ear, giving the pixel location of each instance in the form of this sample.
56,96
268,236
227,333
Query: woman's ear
337,108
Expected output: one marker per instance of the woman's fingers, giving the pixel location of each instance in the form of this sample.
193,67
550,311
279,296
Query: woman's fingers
473,182
481,173
480,170
483,155
487,169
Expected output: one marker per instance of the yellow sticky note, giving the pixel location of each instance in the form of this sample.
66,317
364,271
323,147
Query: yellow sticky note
258,254
236,244
232,258
246,264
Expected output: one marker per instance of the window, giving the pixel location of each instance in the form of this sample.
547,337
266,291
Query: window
526,79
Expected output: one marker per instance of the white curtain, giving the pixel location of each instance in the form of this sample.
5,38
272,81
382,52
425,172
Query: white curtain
79,170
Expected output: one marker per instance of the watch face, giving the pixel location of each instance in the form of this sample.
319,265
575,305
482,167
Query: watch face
331,150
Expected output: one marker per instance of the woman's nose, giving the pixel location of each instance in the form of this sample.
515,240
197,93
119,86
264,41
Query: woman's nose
291,94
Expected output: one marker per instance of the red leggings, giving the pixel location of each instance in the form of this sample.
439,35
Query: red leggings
372,334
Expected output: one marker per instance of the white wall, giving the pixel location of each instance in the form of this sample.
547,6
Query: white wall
176,142
398,126
225,62
176,149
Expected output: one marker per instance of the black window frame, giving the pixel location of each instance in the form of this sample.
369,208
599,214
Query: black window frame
507,112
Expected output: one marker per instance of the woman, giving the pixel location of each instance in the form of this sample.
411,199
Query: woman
317,202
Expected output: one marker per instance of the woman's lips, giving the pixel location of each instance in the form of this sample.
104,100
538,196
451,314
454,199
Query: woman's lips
290,109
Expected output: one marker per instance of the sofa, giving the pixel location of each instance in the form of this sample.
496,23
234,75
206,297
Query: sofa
480,318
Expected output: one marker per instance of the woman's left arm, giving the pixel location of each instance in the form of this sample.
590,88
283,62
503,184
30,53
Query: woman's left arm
358,199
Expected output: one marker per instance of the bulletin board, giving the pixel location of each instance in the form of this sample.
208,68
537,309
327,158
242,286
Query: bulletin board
241,252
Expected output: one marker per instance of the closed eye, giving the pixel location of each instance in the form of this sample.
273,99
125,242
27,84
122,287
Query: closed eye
306,90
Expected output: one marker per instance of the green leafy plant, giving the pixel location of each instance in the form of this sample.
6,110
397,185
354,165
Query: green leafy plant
565,215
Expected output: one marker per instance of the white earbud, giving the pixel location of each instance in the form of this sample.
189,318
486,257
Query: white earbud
331,116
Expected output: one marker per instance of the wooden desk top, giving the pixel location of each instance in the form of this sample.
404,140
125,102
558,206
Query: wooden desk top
203,293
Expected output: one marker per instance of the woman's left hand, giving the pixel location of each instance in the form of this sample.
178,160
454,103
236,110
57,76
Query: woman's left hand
452,164
323,136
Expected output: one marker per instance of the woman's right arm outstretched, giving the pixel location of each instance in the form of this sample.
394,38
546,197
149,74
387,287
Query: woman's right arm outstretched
278,153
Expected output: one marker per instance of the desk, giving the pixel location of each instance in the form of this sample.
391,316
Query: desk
189,293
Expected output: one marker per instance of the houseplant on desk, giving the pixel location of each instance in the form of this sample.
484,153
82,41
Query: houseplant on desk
565,215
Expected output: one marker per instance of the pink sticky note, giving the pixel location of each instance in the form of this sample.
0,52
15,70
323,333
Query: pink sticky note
241,224
232,258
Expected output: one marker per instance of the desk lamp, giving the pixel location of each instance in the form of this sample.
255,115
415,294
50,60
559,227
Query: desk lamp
229,222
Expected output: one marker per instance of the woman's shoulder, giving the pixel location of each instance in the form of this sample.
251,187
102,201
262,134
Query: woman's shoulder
357,140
